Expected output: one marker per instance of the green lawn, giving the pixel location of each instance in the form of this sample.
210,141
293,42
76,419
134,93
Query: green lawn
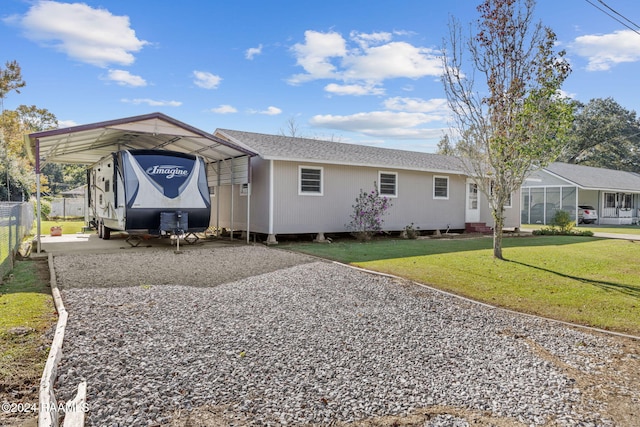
68,227
614,229
26,313
590,281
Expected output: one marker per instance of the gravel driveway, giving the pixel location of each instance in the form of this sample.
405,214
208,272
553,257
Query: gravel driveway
266,337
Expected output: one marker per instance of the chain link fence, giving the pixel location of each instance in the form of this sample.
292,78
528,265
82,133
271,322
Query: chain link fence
16,221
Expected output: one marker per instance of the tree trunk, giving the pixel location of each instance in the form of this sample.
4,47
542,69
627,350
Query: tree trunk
497,234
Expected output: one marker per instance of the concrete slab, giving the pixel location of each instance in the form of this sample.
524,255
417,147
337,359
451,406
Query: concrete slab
91,243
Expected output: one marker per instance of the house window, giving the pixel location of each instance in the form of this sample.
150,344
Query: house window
609,200
212,191
244,189
388,184
441,187
310,181
508,202
625,201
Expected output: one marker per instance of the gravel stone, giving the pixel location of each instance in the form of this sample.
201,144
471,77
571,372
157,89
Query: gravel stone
284,339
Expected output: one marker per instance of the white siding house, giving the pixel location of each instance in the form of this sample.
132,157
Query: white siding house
300,185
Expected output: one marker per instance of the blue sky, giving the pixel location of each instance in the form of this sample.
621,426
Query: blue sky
352,71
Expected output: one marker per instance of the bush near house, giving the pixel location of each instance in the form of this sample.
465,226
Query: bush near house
366,219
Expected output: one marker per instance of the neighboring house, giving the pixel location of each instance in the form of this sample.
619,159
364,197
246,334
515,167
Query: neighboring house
71,204
75,193
300,185
614,194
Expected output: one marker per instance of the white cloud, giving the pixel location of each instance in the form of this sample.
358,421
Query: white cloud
315,54
366,61
271,111
152,102
93,36
67,123
608,50
253,51
224,109
388,124
355,89
366,40
206,80
393,60
417,105
125,78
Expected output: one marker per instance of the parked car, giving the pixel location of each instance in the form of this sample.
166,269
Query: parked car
537,213
587,214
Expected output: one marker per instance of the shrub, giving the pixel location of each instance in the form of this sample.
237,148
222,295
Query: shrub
563,221
366,219
45,207
410,232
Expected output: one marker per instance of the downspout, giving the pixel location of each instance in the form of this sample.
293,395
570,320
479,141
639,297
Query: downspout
38,209
218,203
248,210
248,199
232,187
270,196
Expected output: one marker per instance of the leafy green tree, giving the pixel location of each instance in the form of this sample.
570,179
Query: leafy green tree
10,80
445,147
513,120
604,134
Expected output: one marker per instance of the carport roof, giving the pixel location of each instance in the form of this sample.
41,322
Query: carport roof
86,144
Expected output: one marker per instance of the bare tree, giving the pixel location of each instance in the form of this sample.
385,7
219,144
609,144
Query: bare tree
291,129
513,121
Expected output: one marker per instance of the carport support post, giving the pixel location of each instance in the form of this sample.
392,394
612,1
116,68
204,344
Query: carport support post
38,247
218,195
232,187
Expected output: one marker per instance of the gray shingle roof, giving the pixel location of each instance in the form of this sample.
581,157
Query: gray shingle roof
277,147
596,178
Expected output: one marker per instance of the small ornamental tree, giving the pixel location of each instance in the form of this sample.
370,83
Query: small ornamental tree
366,219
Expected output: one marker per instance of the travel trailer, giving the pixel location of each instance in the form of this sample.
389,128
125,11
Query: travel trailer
148,191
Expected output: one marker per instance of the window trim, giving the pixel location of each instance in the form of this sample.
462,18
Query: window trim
509,203
310,193
392,196
434,187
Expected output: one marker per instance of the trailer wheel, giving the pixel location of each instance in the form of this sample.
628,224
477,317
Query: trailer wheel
106,233
100,229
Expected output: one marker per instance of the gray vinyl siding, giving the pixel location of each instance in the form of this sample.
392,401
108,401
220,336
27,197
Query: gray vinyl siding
294,213
259,203
511,214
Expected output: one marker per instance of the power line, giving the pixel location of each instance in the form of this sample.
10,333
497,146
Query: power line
619,14
635,30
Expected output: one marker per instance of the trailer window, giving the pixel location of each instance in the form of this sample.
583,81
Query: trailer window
107,186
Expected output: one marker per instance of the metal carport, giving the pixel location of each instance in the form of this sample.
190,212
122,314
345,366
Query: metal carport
86,144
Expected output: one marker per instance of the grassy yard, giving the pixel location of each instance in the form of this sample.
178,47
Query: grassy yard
584,280
68,227
27,313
